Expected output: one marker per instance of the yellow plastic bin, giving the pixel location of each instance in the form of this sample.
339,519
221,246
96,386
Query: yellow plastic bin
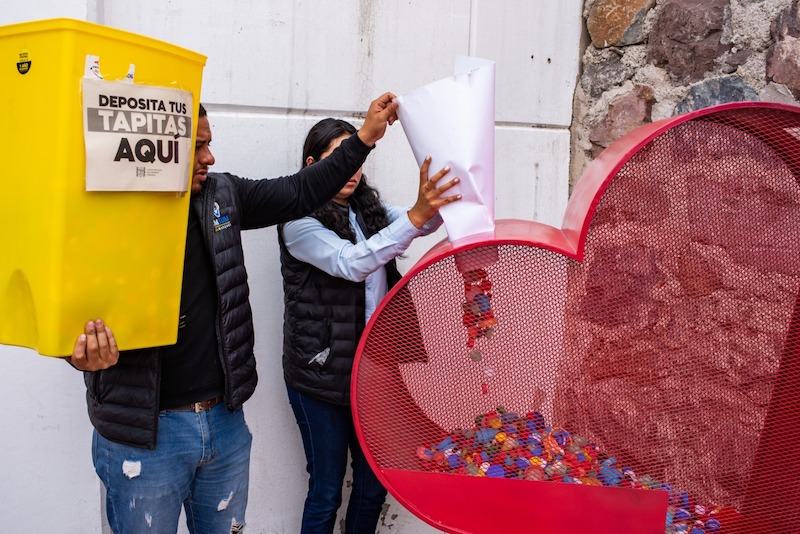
67,254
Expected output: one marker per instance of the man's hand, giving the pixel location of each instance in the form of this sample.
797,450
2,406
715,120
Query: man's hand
95,349
381,111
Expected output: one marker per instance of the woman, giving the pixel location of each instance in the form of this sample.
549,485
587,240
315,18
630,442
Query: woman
337,264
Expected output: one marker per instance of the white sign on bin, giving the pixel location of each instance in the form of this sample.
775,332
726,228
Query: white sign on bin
137,137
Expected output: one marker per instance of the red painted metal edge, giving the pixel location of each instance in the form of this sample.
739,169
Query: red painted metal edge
491,505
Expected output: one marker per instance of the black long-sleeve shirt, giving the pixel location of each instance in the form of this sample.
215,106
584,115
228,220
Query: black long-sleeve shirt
191,370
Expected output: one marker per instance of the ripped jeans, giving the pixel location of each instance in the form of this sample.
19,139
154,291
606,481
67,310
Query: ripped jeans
201,462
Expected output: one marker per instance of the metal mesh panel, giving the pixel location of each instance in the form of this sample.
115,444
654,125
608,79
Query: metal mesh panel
668,355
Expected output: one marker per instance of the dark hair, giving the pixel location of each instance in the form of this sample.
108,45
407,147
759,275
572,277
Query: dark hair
202,112
321,135
364,199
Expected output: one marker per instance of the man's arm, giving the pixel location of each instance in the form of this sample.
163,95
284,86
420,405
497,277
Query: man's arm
267,202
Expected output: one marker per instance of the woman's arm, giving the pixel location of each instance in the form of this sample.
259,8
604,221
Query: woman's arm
309,241
395,212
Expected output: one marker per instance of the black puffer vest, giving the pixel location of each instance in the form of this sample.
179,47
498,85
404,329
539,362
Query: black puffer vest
123,401
323,320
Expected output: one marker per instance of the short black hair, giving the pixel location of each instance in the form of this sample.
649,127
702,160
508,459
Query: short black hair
202,112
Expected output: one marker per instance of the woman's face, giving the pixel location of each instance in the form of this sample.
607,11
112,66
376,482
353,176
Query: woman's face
342,196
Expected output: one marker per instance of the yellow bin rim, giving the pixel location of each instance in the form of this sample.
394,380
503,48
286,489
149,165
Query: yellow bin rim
109,32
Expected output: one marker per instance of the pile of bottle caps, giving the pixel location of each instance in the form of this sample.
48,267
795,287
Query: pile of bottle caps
504,444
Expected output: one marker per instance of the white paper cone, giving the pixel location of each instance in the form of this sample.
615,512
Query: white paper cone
452,120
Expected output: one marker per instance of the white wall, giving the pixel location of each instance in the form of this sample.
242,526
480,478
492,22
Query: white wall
274,68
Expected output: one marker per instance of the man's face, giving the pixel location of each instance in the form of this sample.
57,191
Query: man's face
203,158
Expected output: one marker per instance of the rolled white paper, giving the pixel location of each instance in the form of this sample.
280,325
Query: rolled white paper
452,120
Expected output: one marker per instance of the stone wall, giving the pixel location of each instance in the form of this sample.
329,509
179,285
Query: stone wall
651,59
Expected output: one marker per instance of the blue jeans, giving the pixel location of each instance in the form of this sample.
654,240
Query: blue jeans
201,462
328,432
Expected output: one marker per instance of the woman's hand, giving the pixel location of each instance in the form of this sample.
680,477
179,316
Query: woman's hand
430,198
95,349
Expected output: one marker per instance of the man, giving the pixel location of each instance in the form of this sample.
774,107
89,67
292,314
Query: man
169,427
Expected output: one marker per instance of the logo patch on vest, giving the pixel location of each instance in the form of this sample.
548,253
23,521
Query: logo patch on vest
221,222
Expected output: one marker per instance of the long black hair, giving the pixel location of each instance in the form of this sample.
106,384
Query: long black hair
365,199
